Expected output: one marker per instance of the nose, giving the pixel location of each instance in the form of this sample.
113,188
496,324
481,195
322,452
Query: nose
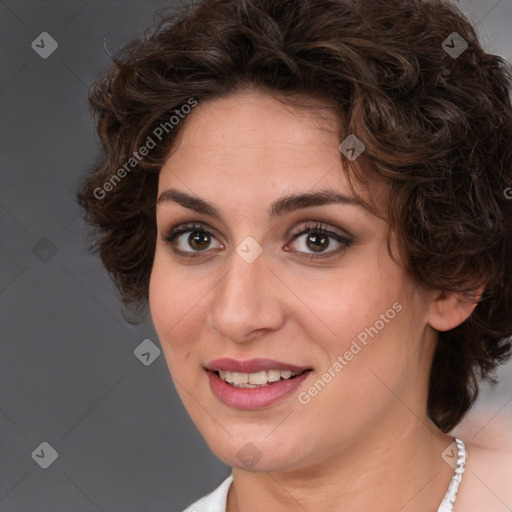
247,301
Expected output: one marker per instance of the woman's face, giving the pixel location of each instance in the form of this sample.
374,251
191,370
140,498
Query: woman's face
243,286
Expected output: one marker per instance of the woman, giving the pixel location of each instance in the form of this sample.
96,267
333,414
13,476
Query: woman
310,196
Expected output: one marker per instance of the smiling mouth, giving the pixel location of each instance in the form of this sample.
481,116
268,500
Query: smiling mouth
257,379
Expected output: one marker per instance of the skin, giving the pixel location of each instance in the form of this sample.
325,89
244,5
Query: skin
365,441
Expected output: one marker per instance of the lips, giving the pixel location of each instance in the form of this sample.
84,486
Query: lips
255,398
255,395
252,365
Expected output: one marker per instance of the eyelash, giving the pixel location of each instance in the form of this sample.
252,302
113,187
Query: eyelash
317,228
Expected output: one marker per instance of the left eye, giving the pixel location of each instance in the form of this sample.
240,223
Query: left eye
318,238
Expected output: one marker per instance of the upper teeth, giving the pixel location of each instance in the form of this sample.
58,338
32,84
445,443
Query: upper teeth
257,378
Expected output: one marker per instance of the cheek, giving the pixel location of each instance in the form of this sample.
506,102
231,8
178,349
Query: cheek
161,298
365,316
170,299
344,306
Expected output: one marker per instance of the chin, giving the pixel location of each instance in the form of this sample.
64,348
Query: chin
256,453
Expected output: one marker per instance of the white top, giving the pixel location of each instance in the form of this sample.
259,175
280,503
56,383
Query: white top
217,499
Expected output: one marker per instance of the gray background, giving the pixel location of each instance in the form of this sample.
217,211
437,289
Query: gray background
69,376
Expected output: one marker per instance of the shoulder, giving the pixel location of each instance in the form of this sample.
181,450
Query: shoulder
487,480
215,501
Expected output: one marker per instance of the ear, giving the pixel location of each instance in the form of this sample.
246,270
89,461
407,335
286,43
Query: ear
448,309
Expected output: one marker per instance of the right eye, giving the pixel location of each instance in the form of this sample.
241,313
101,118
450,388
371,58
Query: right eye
199,239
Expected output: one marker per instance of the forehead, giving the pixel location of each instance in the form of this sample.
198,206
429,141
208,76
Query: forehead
254,121
253,145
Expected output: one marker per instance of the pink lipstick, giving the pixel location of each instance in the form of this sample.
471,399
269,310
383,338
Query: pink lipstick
254,383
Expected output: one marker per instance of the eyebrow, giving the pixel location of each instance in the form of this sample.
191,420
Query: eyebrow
278,208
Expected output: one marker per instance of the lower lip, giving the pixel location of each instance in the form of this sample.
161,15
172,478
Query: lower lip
253,398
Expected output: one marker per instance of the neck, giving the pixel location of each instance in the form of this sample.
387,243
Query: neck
393,467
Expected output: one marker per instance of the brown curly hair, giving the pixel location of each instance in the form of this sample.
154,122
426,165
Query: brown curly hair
437,128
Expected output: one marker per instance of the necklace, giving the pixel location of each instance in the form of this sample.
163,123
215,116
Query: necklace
451,494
